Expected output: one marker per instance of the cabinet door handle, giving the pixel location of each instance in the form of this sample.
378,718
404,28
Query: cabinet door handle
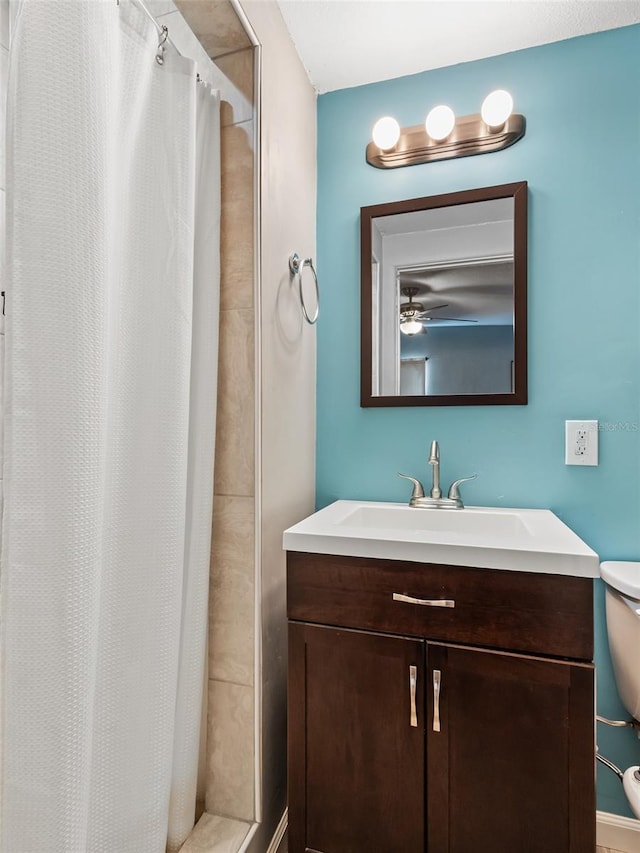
436,699
413,679
427,602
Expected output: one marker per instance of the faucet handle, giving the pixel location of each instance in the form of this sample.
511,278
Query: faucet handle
454,493
418,488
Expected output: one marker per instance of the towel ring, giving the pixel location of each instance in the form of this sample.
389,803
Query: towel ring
296,265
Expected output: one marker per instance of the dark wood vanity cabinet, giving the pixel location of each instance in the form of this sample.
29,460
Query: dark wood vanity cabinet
360,780
513,761
422,729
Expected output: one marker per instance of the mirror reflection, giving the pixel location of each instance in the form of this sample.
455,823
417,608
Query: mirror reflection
443,300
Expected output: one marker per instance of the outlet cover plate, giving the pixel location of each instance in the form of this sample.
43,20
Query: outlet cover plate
581,443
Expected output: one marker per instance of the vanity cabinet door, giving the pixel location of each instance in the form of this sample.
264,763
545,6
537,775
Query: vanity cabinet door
510,753
356,741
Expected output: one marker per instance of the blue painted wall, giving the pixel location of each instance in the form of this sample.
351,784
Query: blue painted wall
581,157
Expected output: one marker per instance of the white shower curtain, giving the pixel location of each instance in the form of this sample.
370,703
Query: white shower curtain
112,313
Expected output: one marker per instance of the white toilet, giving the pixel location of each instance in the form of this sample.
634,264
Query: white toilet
623,628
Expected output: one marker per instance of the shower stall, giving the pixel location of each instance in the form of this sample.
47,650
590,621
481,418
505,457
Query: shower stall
119,427
111,340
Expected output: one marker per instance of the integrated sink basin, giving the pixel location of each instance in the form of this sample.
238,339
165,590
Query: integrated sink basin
526,540
471,522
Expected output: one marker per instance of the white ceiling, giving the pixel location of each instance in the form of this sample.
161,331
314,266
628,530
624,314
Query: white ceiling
344,43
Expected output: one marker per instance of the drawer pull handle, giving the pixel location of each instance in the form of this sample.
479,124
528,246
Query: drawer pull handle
436,700
413,679
426,602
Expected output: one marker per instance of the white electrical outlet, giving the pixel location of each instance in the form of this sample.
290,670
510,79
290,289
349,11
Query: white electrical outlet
581,443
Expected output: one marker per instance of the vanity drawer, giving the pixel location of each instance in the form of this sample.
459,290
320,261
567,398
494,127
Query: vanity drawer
540,613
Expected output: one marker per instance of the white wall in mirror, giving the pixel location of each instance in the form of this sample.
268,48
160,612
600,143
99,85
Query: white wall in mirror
456,263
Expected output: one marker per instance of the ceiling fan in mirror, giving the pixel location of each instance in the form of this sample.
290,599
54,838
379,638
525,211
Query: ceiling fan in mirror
414,316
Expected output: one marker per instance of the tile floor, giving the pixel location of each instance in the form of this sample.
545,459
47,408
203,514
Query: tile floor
283,848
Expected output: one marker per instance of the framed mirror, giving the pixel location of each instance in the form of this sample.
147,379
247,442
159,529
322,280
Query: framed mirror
444,299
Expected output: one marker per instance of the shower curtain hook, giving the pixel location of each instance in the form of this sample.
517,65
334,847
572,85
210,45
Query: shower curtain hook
164,35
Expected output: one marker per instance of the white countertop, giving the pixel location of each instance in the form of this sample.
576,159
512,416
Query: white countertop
524,540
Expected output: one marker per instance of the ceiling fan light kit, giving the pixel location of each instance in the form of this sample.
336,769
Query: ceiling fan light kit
411,327
414,316
444,135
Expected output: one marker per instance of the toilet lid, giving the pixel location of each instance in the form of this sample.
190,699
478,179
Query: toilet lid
625,577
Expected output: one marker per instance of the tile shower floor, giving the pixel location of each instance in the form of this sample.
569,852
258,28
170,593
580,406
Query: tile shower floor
283,848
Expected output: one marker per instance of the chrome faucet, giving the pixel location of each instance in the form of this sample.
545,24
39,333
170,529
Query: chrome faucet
434,461
435,499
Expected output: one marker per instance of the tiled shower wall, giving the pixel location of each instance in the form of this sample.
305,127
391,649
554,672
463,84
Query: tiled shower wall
230,749
4,67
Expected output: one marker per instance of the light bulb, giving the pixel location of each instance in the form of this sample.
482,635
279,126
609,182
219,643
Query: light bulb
410,327
386,132
440,122
496,108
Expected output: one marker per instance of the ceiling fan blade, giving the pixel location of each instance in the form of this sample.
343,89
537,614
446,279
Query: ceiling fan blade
435,308
454,319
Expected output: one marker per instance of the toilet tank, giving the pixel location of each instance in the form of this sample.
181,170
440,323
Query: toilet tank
623,628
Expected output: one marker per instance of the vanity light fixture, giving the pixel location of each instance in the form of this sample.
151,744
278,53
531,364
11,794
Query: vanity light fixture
440,122
496,109
386,133
443,136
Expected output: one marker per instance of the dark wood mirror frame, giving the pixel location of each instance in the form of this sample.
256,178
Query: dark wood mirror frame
518,397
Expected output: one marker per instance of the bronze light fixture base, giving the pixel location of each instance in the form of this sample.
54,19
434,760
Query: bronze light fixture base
469,136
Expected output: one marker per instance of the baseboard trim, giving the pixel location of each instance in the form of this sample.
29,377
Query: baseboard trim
612,830
278,835
618,833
